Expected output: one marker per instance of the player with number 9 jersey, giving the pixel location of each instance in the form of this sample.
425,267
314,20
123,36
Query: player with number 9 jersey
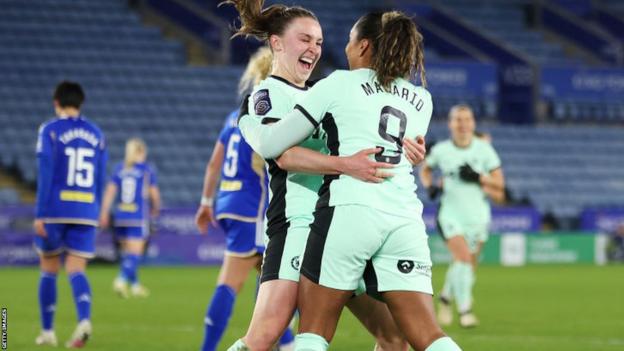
132,209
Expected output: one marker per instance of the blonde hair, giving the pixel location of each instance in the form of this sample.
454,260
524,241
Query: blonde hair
258,68
459,107
135,148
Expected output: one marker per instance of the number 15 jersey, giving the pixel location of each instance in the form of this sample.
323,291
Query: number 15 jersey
72,158
357,113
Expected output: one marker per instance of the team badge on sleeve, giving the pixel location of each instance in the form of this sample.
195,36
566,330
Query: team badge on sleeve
262,102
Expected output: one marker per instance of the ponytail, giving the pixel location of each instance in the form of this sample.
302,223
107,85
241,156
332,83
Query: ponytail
261,24
397,46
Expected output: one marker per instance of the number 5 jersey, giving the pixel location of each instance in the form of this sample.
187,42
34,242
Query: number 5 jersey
72,156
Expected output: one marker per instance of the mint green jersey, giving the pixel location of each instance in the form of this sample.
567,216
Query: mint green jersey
356,113
292,195
465,202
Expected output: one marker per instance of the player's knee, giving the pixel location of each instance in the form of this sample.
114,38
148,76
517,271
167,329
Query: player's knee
262,340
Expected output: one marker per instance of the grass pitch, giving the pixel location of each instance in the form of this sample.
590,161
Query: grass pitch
567,308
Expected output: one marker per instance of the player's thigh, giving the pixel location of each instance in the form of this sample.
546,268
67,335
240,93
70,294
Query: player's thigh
273,311
132,238
52,245
242,239
404,261
342,240
235,270
80,240
282,255
50,264
455,233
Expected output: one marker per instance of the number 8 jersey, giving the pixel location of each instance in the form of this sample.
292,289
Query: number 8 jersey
72,157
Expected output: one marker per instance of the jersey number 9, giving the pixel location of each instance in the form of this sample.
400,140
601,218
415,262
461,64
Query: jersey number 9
389,113
128,190
79,168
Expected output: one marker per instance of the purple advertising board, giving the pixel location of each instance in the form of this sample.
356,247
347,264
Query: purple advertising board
604,220
597,84
175,239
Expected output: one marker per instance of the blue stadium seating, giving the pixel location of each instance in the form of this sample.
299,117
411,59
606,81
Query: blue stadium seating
560,169
137,84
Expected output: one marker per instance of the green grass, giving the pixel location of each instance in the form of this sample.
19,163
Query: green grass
531,308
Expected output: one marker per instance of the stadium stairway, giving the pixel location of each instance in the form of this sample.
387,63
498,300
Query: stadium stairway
505,20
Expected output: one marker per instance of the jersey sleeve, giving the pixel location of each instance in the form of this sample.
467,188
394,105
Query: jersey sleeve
269,124
322,97
115,178
271,140
226,130
44,170
492,161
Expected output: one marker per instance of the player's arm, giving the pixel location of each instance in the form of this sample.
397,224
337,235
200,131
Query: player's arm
45,168
359,166
426,178
101,171
271,140
107,203
493,184
154,196
153,193
205,214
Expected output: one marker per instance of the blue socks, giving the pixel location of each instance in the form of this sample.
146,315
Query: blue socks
47,299
218,316
129,266
82,294
287,337
443,344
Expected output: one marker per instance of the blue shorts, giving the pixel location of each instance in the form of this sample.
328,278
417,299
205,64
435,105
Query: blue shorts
242,239
129,233
75,239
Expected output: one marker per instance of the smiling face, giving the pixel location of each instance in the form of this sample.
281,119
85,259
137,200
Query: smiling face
297,50
461,125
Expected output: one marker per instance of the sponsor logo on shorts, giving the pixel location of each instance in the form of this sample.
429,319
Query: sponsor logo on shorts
262,102
405,266
295,262
424,269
